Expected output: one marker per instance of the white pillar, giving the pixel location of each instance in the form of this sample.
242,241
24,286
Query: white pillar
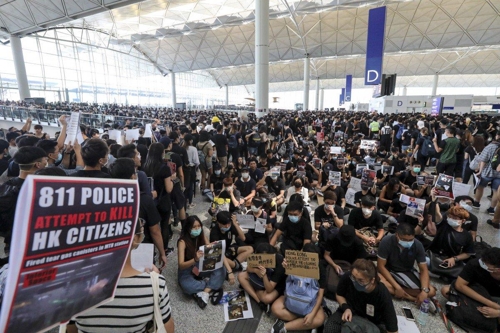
316,105
227,96
307,67
435,84
20,68
322,99
261,57
174,99
59,96
404,90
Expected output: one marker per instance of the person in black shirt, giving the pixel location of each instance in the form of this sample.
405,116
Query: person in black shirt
471,223
276,185
365,192
295,228
4,160
360,293
216,179
246,185
228,230
254,237
484,271
328,218
221,144
367,216
264,164
95,158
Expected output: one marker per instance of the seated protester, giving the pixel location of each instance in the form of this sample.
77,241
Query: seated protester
342,250
365,220
471,223
361,294
276,185
134,293
365,192
418,223
192,282
295,228
328,218
255,173
264,164
396,208
95,158
388,194
409,182
246,186
298,188
339,193
228,230
228,199
397,254
399,164
294,317
289,170
271,158
383,178
478,283
216,179
452,242
253,237
264,285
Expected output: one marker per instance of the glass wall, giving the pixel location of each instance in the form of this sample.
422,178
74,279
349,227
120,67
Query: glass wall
78,65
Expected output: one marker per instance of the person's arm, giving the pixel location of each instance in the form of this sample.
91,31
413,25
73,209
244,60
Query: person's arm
170,326
250,196
308,319
157,238
240,233
168,184
229,270
78,154
382,195
62,135
463,286
398,290
452,261
344,308
438,149
71,328
380,235
27,126
262,181
234,200
180,255
180,175
276,236
424,281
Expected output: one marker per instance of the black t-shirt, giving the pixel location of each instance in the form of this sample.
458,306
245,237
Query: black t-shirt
450,242
245,188
217,181
358,221
474,274
181,151
217,235
91,174
148,211
275,187
263,167
469,225
4,164
347,253
288,132
296,232
358,196
220,141
321,216
159,178
360,302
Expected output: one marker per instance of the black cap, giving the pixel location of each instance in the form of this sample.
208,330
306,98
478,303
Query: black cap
328,167
347,235
245,168
257,202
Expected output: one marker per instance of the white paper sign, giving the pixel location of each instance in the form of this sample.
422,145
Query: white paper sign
368,144
246,221
460,189
148,132
349,196
132,134
407,326
115,135
335,150
355,184
142,257
79,136
260,226
238,307
72,128
213,256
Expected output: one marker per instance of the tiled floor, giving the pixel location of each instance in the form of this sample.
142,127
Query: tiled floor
191,319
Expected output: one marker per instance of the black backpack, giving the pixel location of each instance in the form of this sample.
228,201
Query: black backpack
427,147
9,193
232,141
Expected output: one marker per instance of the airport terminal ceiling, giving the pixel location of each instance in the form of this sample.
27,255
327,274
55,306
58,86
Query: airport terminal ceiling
458,39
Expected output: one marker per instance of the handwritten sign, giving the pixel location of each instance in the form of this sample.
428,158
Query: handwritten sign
264,260
245,221
302,264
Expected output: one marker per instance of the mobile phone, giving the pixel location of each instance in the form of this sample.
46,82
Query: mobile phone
408,314
443,265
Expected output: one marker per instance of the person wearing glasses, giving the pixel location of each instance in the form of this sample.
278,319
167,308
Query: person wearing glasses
133,292
361,294
480,281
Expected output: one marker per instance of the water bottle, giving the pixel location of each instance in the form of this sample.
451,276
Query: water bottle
423,316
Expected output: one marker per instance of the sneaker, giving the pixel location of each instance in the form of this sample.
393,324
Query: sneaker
278,327
244,266
493,224
476,205
432,307
199,301
314,330
191,206
491,211
205,297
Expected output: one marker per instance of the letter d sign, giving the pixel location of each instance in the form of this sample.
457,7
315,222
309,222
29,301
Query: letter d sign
371,75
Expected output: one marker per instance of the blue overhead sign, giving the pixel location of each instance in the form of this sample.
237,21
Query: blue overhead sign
348,88
375,45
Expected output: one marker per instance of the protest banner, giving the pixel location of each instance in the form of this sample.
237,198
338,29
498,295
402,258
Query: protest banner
213,256
245,221
265,260
444,186
237,306
72,237
304,264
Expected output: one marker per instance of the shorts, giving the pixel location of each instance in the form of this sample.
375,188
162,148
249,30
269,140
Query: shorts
232,251
410,279
207,165
495,182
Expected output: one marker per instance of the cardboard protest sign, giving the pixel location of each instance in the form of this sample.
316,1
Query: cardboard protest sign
265,260
72,237
213,256
444,186
72,128
237,306
304,264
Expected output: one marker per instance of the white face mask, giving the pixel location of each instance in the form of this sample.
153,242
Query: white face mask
453,223
255,209
367,211
465,206
245,174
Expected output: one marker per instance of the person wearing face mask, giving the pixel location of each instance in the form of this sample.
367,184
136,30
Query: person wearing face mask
197,284
365,191
95,158
253,237
452,242
361,294
298,188
296,229
276,185
228,230
396,257
328,218
133,292
216,179
471,223
367,218
479,285
247,187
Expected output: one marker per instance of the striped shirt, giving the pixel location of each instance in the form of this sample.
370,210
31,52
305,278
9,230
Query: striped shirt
131,309
486,157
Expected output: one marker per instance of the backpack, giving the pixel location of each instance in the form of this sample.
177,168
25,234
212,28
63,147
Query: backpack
358,324
233,141
301,294
9,193
495,159
427,147
201,154
480,246
332,278
400,132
